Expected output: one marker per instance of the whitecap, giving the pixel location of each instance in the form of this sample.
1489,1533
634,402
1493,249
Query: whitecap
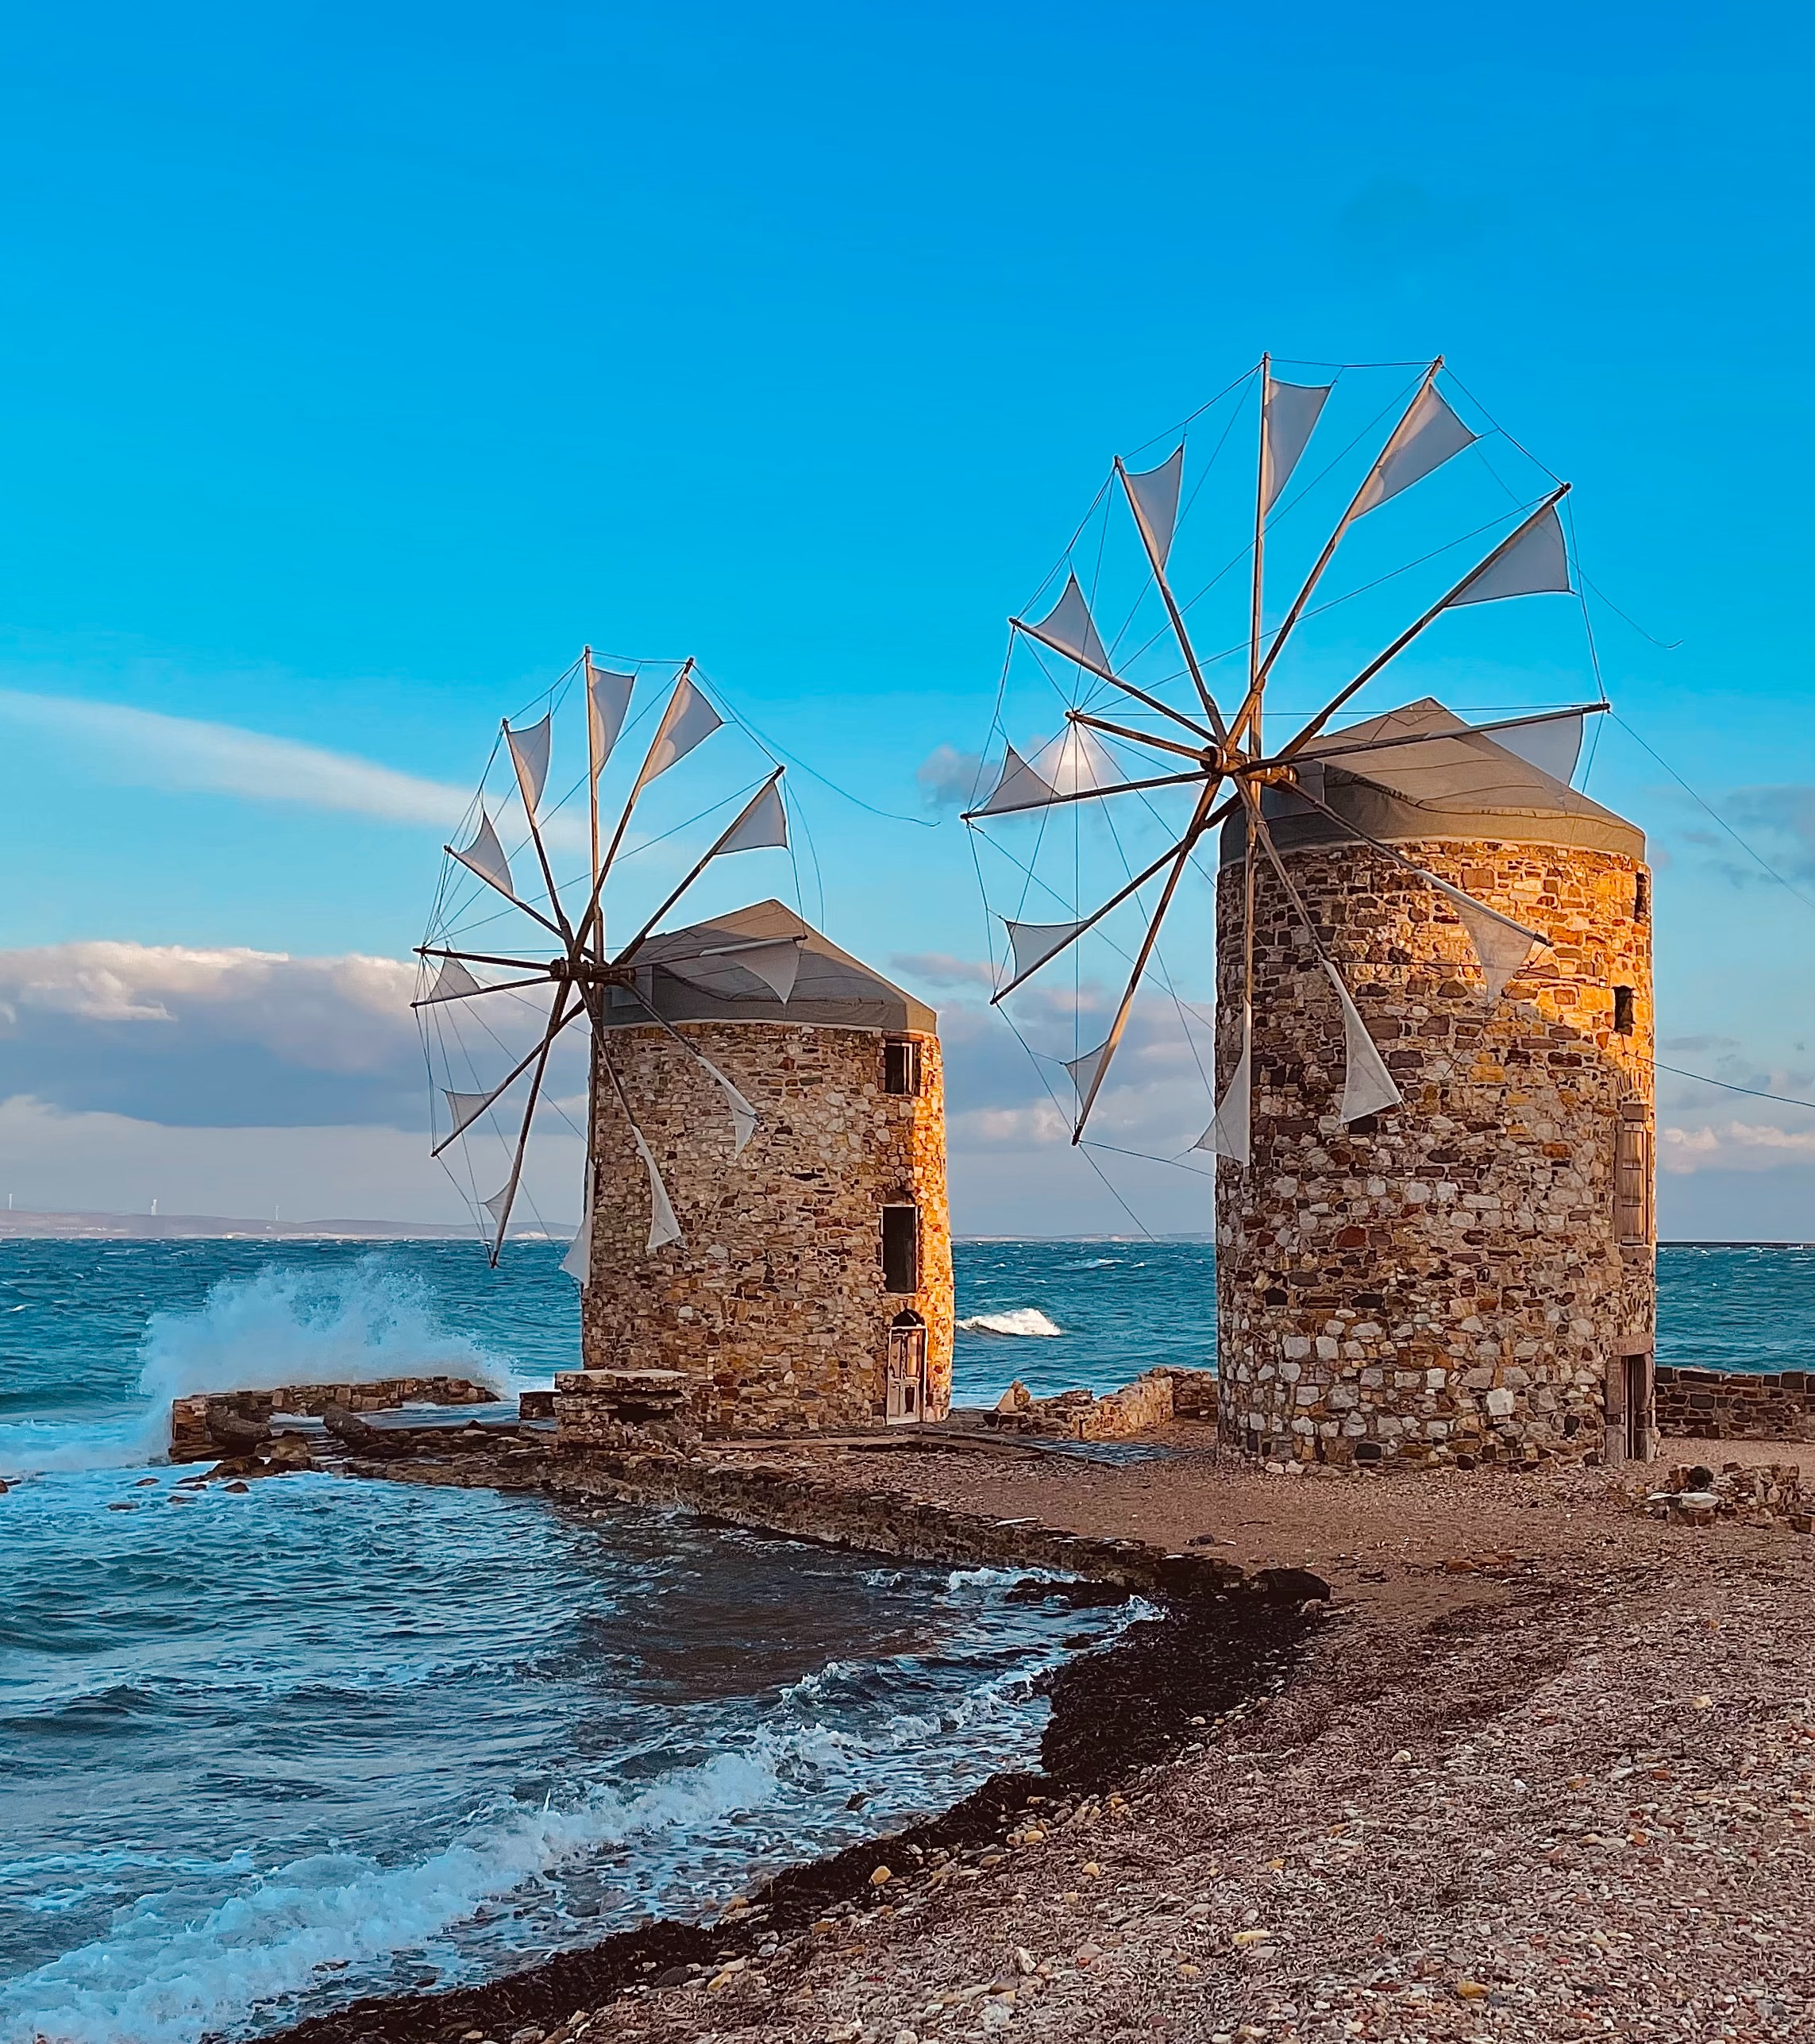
1020,1320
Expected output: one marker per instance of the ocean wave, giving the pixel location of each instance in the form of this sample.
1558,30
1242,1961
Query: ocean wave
289,1325
1020,1320
164,1975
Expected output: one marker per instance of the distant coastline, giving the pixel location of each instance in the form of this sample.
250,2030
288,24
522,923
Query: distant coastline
21,1224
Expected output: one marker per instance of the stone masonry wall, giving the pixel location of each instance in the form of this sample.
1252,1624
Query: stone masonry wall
773,1303
191,1439
1444,1278
1737,1404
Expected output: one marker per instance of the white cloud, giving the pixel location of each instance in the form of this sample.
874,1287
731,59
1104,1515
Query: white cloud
188,754
53,1162
232,1037
1743,1146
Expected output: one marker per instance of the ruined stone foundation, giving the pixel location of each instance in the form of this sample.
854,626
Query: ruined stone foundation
1473,1273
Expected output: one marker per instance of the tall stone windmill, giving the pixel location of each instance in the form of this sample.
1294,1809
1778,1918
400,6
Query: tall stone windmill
1432,1035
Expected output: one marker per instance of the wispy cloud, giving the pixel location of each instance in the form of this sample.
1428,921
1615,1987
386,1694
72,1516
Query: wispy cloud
153,751
1744,1146
948,777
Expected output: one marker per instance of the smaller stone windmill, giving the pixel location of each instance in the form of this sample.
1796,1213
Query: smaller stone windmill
766,1221
1427,863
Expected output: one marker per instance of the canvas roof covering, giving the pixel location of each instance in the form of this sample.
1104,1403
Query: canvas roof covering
1449,786
829,987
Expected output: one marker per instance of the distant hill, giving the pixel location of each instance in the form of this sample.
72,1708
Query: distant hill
18,1224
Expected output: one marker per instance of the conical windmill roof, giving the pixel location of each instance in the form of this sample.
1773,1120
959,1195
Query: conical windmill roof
1448,780
694,975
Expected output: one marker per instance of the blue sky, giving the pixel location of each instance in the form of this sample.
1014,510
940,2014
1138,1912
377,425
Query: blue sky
361,363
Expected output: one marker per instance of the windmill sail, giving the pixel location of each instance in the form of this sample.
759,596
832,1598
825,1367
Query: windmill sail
1427,436
1084,1069
763,825
1033,943
529,755
776,965
688,719
1153,496
499,1206
1536,564
485,856
1368,1087
1020,788
452,982
1068,628
578,1261
744,1119
1229,1133
607,699
1292,410
1501,945
664,1228
466,1107
1553,745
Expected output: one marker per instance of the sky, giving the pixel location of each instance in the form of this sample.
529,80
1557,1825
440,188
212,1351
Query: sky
361,364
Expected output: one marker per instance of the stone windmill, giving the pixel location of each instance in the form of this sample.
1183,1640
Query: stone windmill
765,1224
1432,1084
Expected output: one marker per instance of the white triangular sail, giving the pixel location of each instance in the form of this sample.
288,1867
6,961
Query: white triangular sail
1501,945
485,856
1075,763
1068,628
762,826
1553,745
744,1119
1427,436
1084,1069
529,755
1020,788
1033,943
578,1261
466,1107
776,965
1535,564
607,699
689,718
1367,1084
499,1206
664,1228
1154,497
452,982
1292,410
1229,1133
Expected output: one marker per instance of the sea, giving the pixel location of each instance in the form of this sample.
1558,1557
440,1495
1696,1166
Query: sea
261,1754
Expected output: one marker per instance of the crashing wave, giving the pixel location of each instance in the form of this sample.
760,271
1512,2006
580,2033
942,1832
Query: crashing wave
1020,1320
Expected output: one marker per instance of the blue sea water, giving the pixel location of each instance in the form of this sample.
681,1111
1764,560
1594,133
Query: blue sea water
260,1754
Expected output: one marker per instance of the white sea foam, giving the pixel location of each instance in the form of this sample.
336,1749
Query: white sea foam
344,1325
1020,1320
165,1976
349,1325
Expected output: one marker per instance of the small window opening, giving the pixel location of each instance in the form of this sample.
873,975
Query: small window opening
1642,898
901,1248
1622,1010
901,1066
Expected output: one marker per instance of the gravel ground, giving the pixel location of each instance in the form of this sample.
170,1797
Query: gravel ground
1548,1771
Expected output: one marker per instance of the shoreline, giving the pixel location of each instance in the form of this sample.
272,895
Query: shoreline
1413,1795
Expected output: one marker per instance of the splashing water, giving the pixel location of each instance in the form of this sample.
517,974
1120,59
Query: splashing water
1024,1321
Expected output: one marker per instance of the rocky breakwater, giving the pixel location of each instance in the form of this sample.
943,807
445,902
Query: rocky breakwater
618,1409
207,1422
